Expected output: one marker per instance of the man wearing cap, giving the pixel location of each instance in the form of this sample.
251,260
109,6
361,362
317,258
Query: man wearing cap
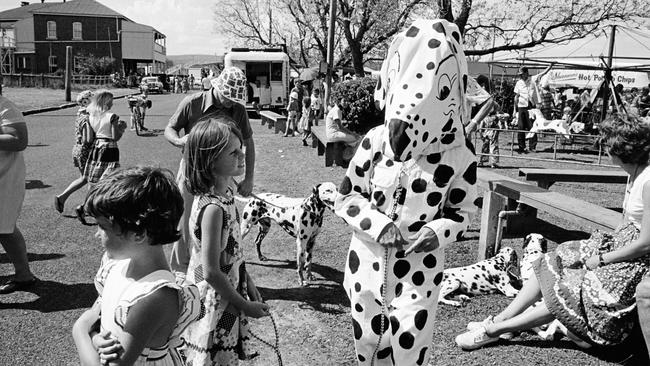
526,95
227,96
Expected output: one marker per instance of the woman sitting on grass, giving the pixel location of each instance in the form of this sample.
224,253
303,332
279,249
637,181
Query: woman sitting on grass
588,285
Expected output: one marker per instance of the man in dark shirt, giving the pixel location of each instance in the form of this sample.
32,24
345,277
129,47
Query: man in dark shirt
226,97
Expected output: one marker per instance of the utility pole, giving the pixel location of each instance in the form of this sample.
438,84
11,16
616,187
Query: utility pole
494,38
270,24
330,51
608,74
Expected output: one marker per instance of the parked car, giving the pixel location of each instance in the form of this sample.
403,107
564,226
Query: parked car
152,83
164,79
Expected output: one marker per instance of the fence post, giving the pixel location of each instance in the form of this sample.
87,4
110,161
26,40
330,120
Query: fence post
42,80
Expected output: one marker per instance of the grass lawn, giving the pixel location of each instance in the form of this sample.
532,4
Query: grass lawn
313,322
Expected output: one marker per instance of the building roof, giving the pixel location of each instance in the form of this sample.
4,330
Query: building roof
79,7
23,12
70,7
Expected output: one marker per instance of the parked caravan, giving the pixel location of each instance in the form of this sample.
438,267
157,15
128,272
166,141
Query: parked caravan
267,71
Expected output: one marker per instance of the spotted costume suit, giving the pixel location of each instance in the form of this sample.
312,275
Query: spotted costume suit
417,171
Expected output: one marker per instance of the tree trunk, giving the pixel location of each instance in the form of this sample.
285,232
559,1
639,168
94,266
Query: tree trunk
357,58
444,10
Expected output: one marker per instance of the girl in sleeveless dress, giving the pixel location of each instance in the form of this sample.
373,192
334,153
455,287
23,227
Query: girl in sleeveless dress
140,310
104,156
588,285
82,144
213,157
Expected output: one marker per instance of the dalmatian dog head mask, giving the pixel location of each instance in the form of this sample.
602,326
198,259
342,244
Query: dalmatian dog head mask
422,88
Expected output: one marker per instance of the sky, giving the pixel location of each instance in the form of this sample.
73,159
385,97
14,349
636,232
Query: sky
188,24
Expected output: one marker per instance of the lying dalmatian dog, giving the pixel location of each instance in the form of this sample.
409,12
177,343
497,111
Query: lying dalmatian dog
535,246
487,276
300,217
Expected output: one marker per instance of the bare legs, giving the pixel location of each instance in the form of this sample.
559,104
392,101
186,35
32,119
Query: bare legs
73,187
14,245
515,317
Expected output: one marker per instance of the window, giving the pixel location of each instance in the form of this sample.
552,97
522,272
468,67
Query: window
22,62
76,30
51,30
276,71
52,63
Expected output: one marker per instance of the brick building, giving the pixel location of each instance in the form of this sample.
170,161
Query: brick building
34,37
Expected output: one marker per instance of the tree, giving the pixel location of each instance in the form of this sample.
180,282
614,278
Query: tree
490,26
369,24
365,25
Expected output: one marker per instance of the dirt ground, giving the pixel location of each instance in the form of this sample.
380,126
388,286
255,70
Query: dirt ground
313,322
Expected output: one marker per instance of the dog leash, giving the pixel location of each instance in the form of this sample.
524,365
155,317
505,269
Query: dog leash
259,198
276,346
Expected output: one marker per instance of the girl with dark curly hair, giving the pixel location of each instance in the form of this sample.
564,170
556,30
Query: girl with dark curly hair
140,311
588,285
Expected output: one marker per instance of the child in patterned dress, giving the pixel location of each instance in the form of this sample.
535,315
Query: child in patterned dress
306,120
82,144
104,156
213,156
141,311
293,108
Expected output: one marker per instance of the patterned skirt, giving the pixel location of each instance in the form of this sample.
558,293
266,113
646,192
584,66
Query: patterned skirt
597,305
80,156
102,160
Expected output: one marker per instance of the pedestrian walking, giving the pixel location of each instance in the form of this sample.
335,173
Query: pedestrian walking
83,142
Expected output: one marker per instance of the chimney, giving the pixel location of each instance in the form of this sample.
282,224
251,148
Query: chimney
24,3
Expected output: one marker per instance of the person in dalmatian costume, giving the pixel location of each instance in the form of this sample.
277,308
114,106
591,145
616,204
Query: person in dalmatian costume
408,192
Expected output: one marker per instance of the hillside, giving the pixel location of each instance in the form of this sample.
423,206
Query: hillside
193,59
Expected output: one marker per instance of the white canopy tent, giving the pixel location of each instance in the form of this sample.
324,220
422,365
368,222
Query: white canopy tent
603,55
631,51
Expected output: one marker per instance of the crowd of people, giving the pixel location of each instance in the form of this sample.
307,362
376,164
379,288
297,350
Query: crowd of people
408,193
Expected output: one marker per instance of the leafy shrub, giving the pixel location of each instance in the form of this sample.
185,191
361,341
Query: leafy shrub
92,65
361,113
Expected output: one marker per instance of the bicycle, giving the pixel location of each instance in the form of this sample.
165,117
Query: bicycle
137,120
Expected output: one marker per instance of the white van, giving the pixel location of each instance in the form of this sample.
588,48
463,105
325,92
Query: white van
268,69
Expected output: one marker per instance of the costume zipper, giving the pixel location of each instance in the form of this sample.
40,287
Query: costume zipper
398,196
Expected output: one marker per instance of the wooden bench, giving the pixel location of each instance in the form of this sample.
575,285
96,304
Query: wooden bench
547,177
333,150
500,189
274,120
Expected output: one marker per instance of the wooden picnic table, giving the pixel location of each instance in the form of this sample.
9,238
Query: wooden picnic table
502,192
546,177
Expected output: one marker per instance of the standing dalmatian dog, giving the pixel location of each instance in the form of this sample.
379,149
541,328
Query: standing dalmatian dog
411,185
300,217
485,277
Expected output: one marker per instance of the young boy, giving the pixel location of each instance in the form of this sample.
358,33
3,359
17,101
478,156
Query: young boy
490,138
